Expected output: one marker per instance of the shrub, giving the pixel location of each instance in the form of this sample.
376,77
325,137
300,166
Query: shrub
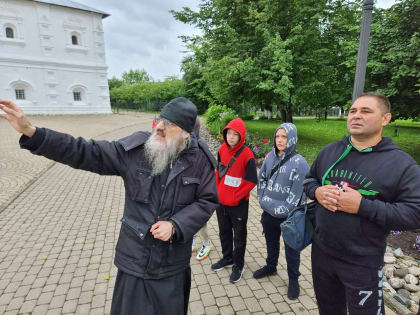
217,116
213,112
226,117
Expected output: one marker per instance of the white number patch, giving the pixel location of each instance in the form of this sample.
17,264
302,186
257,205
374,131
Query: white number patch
233,181
362,301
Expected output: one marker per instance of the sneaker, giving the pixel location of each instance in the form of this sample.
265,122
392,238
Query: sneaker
204,252
222,263
264,272
293,289
236,274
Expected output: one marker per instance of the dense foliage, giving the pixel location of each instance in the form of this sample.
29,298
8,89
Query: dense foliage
295,54
137,90
288,56
394,57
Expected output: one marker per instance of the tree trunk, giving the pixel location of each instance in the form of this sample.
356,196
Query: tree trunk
283,114
287,114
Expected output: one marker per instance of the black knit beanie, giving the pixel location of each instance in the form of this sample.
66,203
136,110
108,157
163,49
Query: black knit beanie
181,112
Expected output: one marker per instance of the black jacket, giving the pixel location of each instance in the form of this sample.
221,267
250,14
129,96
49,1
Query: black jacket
188,199
389,181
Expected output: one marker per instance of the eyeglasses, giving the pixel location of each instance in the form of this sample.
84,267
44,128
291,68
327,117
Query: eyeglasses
166,123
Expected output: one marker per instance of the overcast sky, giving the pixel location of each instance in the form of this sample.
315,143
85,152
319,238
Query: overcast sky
143,34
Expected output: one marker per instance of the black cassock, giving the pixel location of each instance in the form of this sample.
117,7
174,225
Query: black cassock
165,296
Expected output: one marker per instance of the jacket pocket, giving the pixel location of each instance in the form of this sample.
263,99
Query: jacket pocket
141,229
187,191
227,194
139,189
131,244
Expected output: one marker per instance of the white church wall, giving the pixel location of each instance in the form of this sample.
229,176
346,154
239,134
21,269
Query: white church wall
57,75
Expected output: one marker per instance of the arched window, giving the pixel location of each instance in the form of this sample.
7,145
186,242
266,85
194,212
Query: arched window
74,40
77,95
23,91
20,94
10,33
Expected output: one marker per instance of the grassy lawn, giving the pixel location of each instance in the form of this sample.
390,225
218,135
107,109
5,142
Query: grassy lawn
313,135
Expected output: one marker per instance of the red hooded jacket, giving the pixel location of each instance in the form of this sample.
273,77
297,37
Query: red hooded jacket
241,178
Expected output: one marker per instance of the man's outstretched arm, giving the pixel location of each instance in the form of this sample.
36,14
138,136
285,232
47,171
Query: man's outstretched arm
100,157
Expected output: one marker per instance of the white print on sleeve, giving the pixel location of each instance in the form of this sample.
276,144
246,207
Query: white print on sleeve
233,181
266,198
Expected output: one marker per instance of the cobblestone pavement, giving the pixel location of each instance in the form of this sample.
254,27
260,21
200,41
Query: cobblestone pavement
59,227
18,168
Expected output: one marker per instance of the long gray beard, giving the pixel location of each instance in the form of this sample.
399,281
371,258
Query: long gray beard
160,154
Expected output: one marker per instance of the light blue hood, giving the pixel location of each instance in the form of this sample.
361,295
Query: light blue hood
292,138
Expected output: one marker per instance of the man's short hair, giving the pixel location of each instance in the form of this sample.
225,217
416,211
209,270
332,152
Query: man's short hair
383,101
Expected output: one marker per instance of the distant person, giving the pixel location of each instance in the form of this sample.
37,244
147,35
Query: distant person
236,176
280,190
205,248
365,186
170,193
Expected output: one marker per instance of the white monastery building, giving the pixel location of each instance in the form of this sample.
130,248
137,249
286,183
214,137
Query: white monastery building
52,57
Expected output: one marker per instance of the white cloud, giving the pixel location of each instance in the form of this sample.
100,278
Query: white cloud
143,34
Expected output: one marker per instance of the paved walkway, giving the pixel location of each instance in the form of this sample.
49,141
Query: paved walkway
59,227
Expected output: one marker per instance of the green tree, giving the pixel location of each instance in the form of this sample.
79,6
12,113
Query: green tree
147,95
114,82
267,53
299,54
394,57
136,76
195,86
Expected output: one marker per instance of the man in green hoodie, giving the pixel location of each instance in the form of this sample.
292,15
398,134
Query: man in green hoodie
365,186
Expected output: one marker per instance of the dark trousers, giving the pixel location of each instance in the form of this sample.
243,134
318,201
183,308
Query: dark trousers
340,286
272,232
232,231
136,296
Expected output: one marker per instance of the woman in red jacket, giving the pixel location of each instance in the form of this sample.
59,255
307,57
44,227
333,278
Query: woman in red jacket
236,176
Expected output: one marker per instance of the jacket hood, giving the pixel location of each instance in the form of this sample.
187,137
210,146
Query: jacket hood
386,144
238,125
292,138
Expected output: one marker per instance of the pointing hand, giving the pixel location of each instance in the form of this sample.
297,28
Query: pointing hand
17,119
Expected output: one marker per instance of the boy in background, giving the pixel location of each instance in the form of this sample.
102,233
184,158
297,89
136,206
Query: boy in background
236,176
205,249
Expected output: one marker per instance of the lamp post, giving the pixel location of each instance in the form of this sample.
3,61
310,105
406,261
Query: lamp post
359,78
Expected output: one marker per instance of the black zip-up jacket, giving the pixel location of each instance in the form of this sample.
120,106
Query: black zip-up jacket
188,198
389,181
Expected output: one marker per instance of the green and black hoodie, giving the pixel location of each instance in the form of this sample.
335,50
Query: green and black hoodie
389,181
